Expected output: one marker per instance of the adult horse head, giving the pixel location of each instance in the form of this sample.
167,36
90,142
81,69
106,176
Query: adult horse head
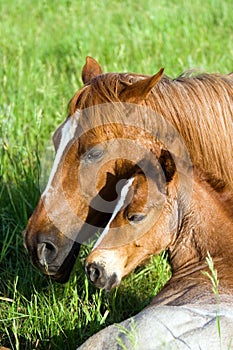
83,186
113,122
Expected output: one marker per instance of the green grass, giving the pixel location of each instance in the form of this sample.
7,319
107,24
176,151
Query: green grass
212,274
43,48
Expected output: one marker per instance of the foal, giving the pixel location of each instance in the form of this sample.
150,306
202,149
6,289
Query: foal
188,227
183,315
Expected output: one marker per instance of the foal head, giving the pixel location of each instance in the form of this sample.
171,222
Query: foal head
145,222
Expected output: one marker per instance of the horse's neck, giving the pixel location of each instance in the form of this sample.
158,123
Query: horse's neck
201,111
206,227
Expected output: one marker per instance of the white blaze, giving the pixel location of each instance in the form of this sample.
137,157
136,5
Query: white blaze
67,134
119,205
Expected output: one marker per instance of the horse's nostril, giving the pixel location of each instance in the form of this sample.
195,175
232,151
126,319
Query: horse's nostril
97,275
94,272
46,252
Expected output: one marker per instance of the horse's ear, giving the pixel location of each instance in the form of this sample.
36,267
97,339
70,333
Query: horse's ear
90,70
139,90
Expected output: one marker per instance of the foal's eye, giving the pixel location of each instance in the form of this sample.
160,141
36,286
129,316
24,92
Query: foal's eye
136,217
94,155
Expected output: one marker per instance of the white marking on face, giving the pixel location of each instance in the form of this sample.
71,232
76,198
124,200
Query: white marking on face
119,205
67,134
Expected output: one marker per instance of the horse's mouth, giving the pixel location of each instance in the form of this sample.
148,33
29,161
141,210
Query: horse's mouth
63,273
57,272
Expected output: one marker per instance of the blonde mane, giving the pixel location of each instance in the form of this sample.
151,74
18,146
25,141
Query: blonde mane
200,108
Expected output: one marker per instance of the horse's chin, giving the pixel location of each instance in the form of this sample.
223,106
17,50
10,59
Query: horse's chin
64,272
61,278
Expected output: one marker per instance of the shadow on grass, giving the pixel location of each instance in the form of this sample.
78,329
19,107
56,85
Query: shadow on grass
37,313
118,305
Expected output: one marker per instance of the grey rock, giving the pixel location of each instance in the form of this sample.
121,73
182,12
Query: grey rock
169,328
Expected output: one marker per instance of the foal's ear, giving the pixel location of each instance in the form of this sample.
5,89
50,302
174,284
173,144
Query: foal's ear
90,70
139,90
168,165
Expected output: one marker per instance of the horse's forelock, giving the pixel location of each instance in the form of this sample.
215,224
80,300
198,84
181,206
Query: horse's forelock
104,88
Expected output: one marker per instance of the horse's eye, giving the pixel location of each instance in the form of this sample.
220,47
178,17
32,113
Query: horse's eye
94,155
136,217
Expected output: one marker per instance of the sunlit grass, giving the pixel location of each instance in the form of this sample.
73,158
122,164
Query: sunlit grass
43,49
212,274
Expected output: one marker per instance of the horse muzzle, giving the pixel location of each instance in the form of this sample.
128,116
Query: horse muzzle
97,274
50,251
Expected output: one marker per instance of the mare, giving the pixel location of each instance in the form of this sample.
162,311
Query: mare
90,160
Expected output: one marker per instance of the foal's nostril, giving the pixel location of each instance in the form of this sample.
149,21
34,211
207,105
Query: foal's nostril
46,252
94,272
97,275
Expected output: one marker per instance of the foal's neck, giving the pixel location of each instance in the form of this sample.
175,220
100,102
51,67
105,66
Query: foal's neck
206,227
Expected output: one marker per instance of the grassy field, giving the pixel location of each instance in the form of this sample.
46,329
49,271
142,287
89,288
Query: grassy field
43,48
